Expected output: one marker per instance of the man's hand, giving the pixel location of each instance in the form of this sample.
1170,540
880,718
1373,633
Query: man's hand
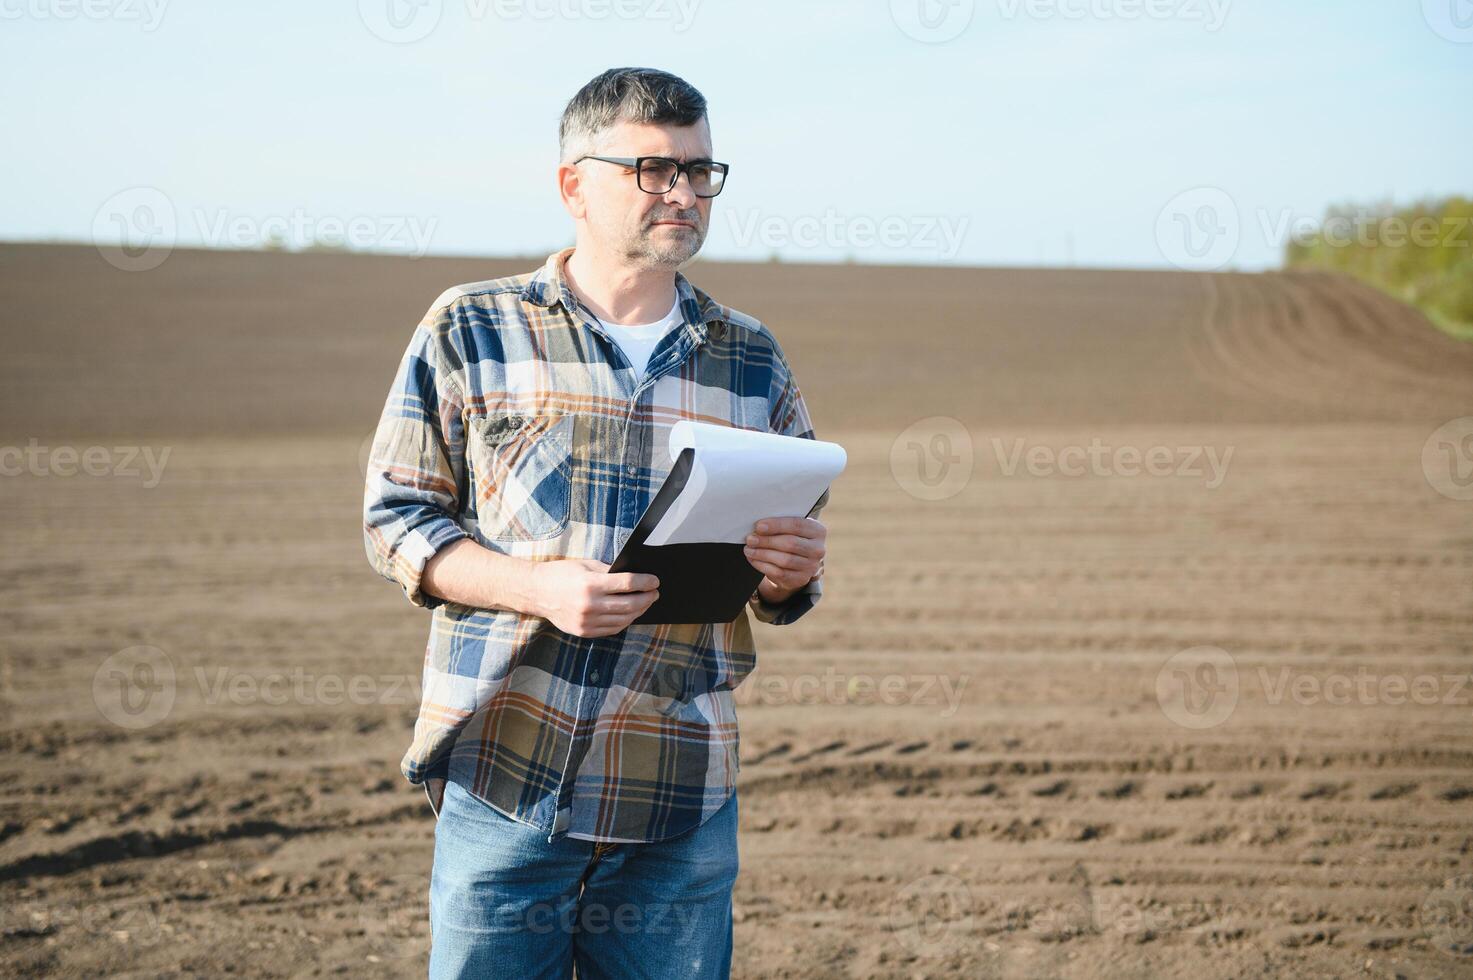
788,551
579,596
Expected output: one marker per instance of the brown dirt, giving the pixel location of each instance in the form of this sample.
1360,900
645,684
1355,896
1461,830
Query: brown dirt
1054,819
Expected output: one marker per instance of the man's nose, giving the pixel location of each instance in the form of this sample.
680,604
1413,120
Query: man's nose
682,197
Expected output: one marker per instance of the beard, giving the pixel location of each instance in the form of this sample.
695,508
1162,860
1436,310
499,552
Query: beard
665,246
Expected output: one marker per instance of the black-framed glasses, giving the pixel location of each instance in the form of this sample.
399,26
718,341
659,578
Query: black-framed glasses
656,175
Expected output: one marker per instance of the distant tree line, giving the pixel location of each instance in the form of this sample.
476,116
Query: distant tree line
1422,253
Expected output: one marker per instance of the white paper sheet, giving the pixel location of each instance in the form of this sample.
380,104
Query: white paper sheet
740,476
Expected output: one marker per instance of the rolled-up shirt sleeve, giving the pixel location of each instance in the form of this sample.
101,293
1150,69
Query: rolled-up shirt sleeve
790,418
411,494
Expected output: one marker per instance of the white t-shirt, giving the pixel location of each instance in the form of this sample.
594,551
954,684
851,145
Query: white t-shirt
638,340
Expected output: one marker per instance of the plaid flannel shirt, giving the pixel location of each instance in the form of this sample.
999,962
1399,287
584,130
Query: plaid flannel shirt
515,420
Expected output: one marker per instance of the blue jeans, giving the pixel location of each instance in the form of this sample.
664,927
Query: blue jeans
506,903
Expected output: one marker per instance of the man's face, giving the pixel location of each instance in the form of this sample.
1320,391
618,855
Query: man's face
650,231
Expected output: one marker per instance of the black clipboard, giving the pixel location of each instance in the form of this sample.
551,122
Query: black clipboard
700,582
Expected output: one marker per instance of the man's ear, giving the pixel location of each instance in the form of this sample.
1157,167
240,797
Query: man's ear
570,188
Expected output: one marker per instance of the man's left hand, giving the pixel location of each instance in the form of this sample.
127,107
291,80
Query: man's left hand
789,552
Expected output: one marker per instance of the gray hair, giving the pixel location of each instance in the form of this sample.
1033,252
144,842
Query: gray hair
640,95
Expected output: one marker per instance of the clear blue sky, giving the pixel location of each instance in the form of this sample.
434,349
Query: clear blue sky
1043,132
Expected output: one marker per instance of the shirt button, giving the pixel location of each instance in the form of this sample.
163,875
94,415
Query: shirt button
593,676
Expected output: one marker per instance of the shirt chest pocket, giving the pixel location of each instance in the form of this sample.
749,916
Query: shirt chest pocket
522,467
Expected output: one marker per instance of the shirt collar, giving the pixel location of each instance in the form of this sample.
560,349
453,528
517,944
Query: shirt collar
548,285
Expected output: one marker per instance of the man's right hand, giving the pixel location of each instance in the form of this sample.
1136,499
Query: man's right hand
579,596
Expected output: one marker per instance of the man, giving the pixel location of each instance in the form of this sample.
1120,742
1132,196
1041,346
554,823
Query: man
587,765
